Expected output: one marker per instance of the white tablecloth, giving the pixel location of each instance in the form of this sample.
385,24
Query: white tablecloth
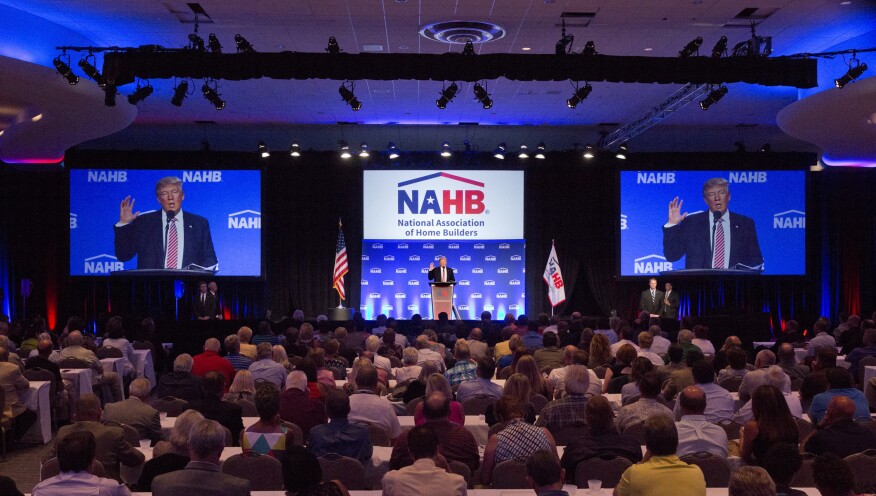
81,378
36,398
144,366
167,424
116,365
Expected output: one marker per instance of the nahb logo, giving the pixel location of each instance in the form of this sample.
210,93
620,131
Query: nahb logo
388,282
489,307
363,282
448,201
489,282
424,270
490,258
107,176
74,221
365,258
388,258
790,219
413,282
477,270
428,246
414,258
402,246
207,176
376,246
514,282
477,296
401,270
651,264
462,308
400,296
501,296
504,246
479,246
748,177
453,246
464,282
102,264
655,178
245,219
502,270
374,296
375,270
426,296
513,306
387,306
465,258
414,308
623,222
516,258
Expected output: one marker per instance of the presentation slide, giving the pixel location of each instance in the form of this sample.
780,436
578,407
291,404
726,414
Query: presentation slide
124,219
753,222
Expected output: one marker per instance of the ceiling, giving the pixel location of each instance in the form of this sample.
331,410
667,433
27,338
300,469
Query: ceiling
405,111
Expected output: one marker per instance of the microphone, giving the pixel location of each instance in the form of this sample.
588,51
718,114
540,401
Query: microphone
717,215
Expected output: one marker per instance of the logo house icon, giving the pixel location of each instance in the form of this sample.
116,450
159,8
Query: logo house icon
651,264
102,264
245,219
789,219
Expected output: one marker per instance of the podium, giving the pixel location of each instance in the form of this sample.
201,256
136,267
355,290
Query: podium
442,298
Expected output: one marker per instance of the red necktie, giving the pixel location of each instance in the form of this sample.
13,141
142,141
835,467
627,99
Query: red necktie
172,243
718,262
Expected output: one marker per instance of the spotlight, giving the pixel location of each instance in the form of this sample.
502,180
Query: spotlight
363,150
579,95
392,151
263,150
242,44
565,42
140,94
349,97
691,48
213,43
180,93
539,151
213,97
713,98
333,46
524,153
446,151
720,48
482,96
447,95
853,73
469,48
92,72
295,149
65,71
589,49
345,150
196,42
109,95
766,148
499,152
621,152
589,152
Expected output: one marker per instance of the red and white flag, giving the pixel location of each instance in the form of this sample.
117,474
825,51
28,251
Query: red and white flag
340,264
553,277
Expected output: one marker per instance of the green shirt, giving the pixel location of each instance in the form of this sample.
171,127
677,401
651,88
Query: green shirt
662,475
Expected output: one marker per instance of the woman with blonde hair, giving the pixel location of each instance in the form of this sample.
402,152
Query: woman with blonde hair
529,367
242,388
600,352
517,385
437,383
280,356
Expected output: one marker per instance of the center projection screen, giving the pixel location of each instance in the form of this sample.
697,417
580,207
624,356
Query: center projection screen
414,217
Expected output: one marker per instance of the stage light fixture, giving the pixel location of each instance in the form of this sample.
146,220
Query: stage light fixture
714,97
579,95
589,152
524,152
482,96
196,42
856,68
263,150
621,152
468,49
91,71
392,151
333,46
446,151
720,48
344,150
213,44
109,95
212,96
348,96
64,70
363,150
180,93
295,149
243,46
589,49
539,151
499,152
140,94
447,95
564,44
691,48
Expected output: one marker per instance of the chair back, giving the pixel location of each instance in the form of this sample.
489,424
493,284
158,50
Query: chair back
109,352
715,469
38,374
731,427
731,384
395,362
411,406
608,470
348,470
510,474
863,465
600,371
804,427
504,373
803,477
264,472
132,436
229,437
637,431
566,435
462,469
73,363
538,402
297,433
50,468
477,405
247,407
171,405
378,435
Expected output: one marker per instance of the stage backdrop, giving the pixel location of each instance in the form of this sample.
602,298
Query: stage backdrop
412,218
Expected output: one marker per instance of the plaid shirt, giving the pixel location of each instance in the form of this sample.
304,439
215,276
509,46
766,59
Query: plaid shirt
564,412
461,372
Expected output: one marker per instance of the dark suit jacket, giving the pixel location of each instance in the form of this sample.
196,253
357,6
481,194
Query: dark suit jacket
203,479
209,308
691,238
226,413
145,238
645,302
670,311
182,385
138,415
435,274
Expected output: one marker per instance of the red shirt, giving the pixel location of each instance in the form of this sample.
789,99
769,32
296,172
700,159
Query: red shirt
210,361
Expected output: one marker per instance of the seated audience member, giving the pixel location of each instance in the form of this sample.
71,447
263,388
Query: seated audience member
296,405
514,343
567,411
180,383
840,383
476,345
14,384
701,340
682,378
838,432
111,380
334,360
244,334
422,475
279,355
372,344
8,487
833,476
324,375
661,468
212,407
788,362
646,340
202,475
638,369
417,387
599,352
369,408
438,383
821,338
758,377
302,475
518,440
42,358
457,443
264,334
115,338
170,455
573,356
673,355
646,406
720,360
75,459
483,384
772,423
242,388
695,433
233,355
135,412
625,333
549,356
210,361
751,481
426,354
773,376
620,368
736,365
503,347
685,339
339,435
268,436
527,366
869,349
601,439
409,369
544,474
112,448
465,369
782,461
516,386
265,368
388,347
661,344
719,404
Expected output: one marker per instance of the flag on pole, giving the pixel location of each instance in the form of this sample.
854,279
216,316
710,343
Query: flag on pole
340,263
553,277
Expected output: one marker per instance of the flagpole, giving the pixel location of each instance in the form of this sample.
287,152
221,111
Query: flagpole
340,300
552,304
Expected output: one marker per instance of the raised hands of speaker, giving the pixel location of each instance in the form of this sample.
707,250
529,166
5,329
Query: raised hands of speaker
126,214
431,265
675,215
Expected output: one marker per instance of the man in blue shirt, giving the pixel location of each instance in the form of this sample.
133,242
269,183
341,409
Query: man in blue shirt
840,385
869,349
266,368
544,474
340,436
465,369
232,350
483,385
531,338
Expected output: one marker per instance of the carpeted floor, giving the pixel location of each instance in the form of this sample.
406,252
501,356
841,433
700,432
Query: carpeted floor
22,464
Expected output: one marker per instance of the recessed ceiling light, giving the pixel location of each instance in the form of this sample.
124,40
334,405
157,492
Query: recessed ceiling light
36,117
649,49
526,49
2,131
847,2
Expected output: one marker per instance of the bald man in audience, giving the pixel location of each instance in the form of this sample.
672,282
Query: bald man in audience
788,362
135,412
476,345
573,356
838,432
695,433
210,361
100,378
752,380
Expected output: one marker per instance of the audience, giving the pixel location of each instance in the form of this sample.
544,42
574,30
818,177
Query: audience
782,462
115,338
210,361
855,355
232,353
476,345
425,353
772,423
483,384
212,407
367,407
840,383
673,355
647,404
695,433
620,369
339,435
302,475
701,340
833,476
751,481
76,455
465,369
13,383
567,411
244,334
544,474
296,405
517,440
719,404
838,432
268,436
135,412
409,369
516,386
422,475
242,388
788,362
758,377
438,383
101,379
180,383
170,455
774,376
550,356
265,368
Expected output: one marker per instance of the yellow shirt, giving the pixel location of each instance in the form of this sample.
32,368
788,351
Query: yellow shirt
248,350
501,349
662,475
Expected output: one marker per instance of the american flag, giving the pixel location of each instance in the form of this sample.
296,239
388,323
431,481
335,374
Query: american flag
340,264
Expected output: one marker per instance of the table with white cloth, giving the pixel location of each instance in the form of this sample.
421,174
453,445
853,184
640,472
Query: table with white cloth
36,398
144,366
802,353
116,365
81,378
167,424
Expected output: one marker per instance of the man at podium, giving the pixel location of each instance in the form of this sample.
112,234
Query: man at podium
442,273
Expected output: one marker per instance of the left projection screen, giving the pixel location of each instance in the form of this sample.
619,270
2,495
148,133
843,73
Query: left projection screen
220,221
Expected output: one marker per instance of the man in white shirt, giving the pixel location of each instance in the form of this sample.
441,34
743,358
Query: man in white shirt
695,433
426,354
424,476
367,407
719,404
755,378
372,344
774,376
660,344
646,341
573,356
625,333
75,459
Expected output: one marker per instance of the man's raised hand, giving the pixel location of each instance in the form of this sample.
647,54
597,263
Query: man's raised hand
125,211
674,211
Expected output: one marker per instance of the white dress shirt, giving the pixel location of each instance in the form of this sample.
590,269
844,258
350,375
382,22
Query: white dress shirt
719,404
696,434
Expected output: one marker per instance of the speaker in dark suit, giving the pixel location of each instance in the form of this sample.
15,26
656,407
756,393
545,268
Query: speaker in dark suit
651,300
205,303
671,302
435,273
